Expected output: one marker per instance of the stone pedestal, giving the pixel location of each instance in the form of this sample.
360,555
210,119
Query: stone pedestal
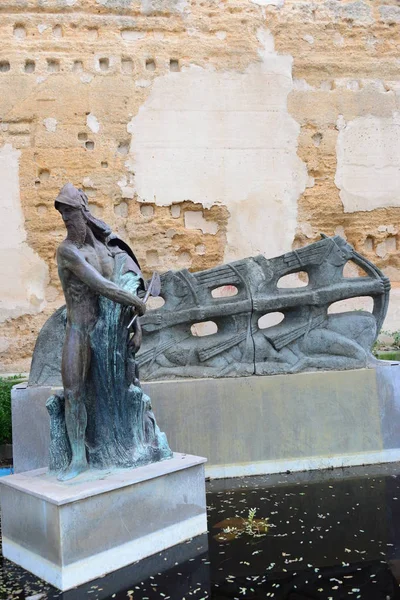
253,425
72,532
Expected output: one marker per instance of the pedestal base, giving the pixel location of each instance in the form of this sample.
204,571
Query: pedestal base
72,532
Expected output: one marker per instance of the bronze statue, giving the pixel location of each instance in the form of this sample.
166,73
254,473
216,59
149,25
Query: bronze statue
94,265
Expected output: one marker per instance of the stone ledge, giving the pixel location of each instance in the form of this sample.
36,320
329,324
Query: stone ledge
43,485
254,425
56,535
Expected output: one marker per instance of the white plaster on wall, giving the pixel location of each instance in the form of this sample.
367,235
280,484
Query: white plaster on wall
130,35
93,123
50,124
279,3
23,275
143,83
225,138
194,219
150,6
368,162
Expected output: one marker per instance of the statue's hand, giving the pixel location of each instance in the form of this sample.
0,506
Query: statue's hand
386,284
139,306
136,340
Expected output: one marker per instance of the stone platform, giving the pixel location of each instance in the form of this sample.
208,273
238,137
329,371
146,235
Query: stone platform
72,532
254,425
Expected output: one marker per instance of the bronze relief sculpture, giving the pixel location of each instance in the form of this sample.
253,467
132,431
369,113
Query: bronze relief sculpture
103,419
309,336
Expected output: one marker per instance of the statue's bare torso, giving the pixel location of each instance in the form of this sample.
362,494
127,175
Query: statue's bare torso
82,302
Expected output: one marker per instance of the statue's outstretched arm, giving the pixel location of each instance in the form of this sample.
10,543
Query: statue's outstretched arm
70,258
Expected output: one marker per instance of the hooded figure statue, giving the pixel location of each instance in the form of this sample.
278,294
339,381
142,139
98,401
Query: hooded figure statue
103,419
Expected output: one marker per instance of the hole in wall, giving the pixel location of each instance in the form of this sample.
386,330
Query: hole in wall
174,65
225,291
41,209
184,259
123,148
293,280
175,211
104,164
19,31
29,66
360,303
204,328
89,145
391,243
121,209
77,66
104,64
127,65
95,209
270,320
132,35
369,243
150,64
387,246
57,31
4,66
82,136
317,139
147,210
44,175
53,65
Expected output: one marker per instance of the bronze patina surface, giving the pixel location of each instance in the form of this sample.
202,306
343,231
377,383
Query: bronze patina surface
103,418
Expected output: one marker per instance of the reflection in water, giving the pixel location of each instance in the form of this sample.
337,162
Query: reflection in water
313,536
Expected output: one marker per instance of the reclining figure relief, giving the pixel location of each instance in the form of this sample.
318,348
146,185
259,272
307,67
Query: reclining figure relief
307,338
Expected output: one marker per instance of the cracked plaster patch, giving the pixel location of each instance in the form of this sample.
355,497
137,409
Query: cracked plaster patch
24,275
225,138
368,162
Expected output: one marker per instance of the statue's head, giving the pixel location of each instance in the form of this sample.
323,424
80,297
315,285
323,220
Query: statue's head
72,204
341,252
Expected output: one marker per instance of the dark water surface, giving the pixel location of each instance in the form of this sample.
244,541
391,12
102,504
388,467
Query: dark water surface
331,535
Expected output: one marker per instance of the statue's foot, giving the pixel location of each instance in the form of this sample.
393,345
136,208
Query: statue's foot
74,469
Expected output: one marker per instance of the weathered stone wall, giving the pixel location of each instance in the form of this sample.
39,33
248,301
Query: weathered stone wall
202,131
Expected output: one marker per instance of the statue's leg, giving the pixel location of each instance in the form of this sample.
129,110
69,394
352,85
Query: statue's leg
74,369
326,349
359,326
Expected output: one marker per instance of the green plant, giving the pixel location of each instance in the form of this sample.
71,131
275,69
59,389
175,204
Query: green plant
6,383
396,339
388,345
234,527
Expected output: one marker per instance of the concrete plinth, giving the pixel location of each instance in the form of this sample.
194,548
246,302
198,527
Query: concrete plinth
72,532
254,425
